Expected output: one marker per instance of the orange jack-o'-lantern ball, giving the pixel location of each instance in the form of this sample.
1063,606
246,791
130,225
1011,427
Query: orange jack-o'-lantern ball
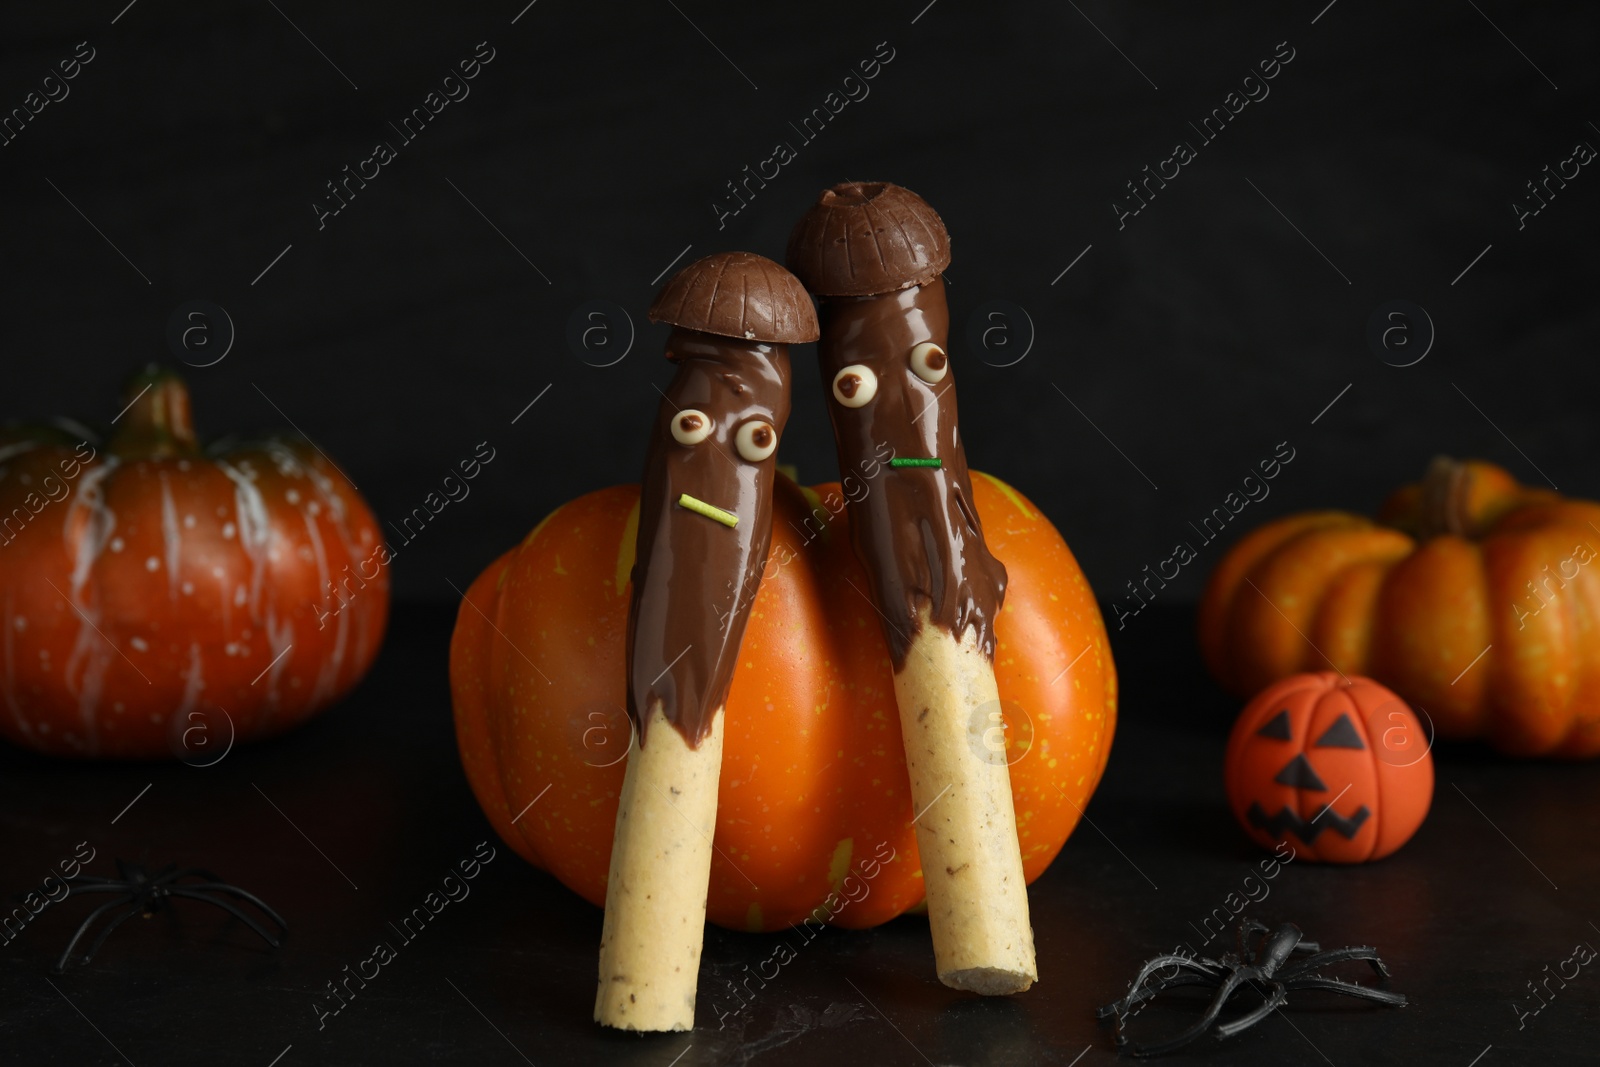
1336,766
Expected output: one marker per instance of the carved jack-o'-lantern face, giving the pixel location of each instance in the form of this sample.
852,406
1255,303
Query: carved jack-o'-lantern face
1339,769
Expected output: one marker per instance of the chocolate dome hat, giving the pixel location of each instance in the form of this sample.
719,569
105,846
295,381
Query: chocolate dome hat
738,294
865,238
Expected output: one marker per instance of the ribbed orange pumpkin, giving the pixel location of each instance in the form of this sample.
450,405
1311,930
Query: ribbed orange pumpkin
1473,597
814,804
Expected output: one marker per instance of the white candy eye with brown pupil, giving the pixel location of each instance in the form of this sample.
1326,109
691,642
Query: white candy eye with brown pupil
855,386
929,362
690,427
756,441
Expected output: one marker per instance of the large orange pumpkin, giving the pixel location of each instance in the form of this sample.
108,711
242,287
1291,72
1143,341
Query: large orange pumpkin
1473,597
814,790
157,599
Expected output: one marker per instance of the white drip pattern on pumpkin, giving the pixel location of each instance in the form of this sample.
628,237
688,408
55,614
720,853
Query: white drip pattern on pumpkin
328,672
193,684
171,537
96,522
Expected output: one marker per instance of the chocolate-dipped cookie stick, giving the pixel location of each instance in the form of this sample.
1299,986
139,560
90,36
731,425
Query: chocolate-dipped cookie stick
705,524
872,254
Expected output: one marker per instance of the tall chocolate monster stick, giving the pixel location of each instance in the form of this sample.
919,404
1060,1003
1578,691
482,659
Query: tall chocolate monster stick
705,524
872,254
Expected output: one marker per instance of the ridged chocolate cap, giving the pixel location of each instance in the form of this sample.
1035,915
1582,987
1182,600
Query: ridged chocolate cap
865,238
738,294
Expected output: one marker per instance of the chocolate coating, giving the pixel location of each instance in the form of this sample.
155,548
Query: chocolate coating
865,238
690,572
915,528
738,294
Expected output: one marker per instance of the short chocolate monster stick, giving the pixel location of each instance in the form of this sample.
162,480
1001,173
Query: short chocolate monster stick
872,254
705,524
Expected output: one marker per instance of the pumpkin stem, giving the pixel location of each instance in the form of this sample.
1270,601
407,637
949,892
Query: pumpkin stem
1445,504
156,421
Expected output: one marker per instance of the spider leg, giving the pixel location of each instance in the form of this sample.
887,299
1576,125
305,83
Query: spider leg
111,926
1337,955
1161,985
1279,997
229,908
223,887
61,964
1349,989
108,886
1205,1022
1120,1006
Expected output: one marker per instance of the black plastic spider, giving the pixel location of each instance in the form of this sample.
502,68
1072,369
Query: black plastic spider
1259,964
143,893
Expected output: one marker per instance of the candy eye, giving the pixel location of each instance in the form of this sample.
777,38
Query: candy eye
690,427
756,441
855,385
929,362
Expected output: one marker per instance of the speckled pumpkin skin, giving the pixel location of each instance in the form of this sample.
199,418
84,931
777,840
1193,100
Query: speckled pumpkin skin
160,588
814,789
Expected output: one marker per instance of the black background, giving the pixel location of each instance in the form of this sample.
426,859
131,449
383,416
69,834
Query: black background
1196,339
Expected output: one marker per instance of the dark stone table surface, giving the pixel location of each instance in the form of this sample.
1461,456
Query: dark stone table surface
347,824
